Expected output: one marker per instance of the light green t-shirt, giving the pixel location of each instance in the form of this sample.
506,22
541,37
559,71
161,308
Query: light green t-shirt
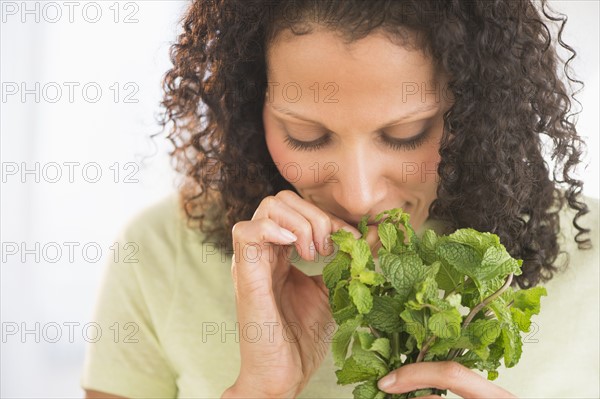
169,321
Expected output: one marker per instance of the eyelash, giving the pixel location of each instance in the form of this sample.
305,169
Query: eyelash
393,144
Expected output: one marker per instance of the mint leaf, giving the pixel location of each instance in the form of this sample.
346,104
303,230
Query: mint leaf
362,225
385,314
341,340
497,262
336,269
525,304
445,324
365,356
368,390
361,296
387,235
353,372
371,277
415,325
403,271
340,298
344,239
460,257
360,256
448,278
428,245
382,346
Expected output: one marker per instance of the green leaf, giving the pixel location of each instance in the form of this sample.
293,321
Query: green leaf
365,339
448,278
340,298
341,340
353,372
481,334
403,271
360,256
371,277
344,239
492,375
362,225
497,262
361,296
512,344
428,245
525,304
472,238
426,290
460,257
387,235
415,325
442,346
367,357
382,346
368,390
385,314
344,314
335,270
510,336
445,324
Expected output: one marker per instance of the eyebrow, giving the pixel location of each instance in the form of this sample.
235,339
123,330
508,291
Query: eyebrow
414,112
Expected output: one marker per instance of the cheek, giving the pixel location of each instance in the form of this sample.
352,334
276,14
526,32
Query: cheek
293,166
420,172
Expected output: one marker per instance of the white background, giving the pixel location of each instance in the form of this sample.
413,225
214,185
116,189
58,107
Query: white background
108,132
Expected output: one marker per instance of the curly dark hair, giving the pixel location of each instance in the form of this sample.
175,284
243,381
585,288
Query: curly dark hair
503,71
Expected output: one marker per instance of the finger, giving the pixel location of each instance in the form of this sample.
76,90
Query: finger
251,261
323,223
320,222
443,375
275,209
252,274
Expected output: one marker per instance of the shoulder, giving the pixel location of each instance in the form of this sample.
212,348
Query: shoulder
161,223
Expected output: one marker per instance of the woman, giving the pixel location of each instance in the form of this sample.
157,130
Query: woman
293,119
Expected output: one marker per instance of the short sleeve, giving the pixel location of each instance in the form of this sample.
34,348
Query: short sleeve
133,301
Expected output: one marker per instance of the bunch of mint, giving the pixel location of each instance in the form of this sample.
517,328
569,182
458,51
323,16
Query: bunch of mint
436,298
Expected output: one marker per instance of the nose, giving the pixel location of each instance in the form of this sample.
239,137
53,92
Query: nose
361,184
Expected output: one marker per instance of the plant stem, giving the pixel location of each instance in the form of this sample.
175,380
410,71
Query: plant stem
453,353
374,332
425,348
487,300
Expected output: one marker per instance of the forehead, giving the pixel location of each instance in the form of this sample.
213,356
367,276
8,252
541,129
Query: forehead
372,75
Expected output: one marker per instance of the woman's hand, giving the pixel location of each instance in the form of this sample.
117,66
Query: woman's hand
282,305
448,375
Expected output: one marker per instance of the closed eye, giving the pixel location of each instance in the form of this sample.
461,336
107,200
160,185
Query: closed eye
393,143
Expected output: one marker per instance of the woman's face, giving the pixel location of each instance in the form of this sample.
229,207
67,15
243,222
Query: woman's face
370,116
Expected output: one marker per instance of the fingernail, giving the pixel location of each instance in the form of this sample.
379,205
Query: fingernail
386,382
288,235
328,245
